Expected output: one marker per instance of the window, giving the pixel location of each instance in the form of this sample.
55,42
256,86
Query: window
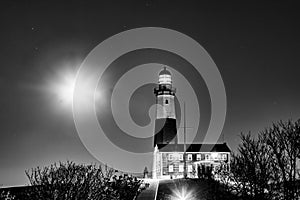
171,157
181,156
181,167
190,168
198,156
215,156
207,156
164,79
190,157
171,168
167,102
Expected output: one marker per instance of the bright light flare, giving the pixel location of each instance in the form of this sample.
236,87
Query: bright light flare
182,195
63,85
65,89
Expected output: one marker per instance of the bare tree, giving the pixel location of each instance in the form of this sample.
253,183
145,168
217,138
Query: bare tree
253,167
265,167
283,139
70,181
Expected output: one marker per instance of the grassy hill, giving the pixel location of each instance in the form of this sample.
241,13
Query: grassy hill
192,189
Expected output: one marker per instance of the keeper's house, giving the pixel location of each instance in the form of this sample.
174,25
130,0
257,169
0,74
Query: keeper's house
201,159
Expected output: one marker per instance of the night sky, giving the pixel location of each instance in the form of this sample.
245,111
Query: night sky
254,45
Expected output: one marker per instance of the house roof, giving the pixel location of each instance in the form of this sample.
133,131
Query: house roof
223,147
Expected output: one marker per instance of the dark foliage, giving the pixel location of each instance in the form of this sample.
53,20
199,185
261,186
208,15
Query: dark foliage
265,167
70,181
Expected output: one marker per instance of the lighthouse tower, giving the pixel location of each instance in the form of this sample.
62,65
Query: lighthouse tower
165,123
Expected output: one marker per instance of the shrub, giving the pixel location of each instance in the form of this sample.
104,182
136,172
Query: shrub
71,181
5,195
266,167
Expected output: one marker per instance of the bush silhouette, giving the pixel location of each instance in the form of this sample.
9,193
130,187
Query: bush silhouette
77,181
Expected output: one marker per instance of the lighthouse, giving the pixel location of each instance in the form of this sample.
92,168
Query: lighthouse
165,122
173,160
